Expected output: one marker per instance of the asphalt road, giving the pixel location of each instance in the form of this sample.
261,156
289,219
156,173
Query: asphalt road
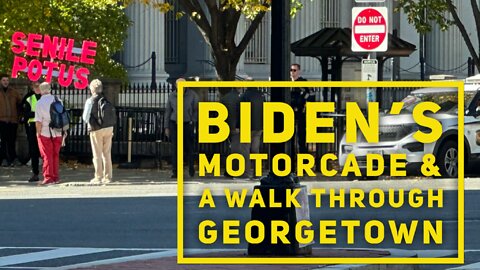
138,224
151,222
91,222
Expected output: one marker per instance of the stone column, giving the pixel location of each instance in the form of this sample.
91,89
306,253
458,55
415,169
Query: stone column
111,90
146,35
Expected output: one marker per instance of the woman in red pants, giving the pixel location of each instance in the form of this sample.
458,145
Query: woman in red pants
49,140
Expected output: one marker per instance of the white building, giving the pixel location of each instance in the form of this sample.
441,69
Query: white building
181,50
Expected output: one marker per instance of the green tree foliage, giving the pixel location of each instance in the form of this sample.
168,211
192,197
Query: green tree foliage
102,21
217,20
422,13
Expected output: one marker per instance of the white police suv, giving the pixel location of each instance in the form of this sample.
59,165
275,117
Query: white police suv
396,132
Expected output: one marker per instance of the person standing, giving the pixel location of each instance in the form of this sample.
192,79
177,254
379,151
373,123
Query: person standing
49,140
101,135
231,100
10,100
29,104
299,98
256,99
190,119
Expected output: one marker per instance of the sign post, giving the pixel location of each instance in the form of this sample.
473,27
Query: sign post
369,73
369,69
370,34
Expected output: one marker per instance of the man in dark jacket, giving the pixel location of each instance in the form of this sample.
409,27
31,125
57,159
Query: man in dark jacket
10,100
300,96
29,103
256,99
190,119
231,100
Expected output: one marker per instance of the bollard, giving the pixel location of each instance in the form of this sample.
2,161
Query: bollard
291,215
129,164
129,144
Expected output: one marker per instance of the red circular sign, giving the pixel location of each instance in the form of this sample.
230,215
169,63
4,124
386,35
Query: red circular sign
369,29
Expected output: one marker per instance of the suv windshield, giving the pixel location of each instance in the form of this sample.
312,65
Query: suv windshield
448,101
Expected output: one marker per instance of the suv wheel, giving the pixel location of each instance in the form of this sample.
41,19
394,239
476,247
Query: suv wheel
448,160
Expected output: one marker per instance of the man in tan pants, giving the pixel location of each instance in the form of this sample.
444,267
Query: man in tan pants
100,126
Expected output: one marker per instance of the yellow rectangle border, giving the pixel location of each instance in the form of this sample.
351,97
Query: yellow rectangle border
312,260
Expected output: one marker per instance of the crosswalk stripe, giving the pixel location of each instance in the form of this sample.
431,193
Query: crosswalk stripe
149,256
46,255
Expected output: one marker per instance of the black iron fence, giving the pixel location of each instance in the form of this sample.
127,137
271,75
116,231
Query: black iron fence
140,126
144,96
132,95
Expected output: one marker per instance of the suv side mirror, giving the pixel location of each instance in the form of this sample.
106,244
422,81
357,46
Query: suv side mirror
477,112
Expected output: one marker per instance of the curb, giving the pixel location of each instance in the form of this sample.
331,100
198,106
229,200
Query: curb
153,261
394,253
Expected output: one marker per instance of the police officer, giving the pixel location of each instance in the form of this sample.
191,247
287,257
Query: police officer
29,104
300,96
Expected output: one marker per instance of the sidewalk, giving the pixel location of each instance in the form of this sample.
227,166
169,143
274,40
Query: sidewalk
80,174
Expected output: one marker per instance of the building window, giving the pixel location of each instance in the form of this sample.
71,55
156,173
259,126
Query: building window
330,14
257,49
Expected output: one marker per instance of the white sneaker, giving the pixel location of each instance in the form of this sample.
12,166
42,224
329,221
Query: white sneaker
95,181
106,181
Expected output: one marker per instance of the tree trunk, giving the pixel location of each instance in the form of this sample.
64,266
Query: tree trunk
219,33
226,67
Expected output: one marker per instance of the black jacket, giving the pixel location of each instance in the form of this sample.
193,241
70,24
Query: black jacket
256,99
231,100
300,96
26,109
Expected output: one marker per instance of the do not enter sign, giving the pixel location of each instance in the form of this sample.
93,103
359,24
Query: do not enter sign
369,29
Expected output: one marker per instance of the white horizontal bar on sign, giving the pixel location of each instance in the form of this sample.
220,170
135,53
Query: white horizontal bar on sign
75,50
369,29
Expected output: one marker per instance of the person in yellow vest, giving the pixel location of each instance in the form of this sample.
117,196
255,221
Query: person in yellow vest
29,103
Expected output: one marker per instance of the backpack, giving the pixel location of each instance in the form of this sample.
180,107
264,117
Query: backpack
106,113
59,116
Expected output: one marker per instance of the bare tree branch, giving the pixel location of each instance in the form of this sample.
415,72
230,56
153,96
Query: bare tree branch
216,23
231,25
476,15
464,33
